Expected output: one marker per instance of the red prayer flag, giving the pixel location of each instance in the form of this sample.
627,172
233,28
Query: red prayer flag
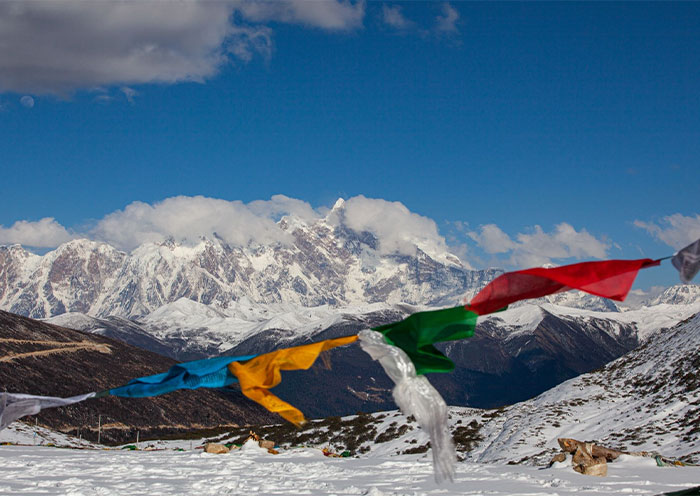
609,279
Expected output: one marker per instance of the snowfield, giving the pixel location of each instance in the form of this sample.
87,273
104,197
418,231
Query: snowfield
305,471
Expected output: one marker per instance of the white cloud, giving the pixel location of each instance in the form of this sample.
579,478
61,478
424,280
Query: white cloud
638,297
45,233
393,16
538,247
676,230
56,47
492,239
53,47
246,42
332,15
129,93
103,99
397,228
447,21
187,218
281,205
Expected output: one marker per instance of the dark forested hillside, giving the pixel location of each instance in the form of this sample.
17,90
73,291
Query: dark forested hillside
43,359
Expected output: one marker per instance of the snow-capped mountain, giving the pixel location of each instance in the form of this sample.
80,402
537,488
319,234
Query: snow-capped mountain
681,294
576,299
324,263
116,328
186,329
514,354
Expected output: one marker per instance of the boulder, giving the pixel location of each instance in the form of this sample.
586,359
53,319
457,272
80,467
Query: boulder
215,448
585,463
571,445
268,445
558,458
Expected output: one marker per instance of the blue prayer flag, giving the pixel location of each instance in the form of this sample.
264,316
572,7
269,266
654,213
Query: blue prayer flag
210,373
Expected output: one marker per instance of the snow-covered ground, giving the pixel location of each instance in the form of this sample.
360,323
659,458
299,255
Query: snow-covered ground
305,471
21,433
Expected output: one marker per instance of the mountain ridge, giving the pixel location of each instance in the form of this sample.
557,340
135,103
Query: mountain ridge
323,263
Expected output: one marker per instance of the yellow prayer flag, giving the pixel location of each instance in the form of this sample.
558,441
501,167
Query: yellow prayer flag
262,373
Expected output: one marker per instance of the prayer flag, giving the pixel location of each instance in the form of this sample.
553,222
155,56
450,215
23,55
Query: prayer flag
262,373
417,334
687,261
609,279
415,396
14,406
210,373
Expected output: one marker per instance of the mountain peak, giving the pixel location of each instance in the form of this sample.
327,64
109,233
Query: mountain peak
680,294
338,205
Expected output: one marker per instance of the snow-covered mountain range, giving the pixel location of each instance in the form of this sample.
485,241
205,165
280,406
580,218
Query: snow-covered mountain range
647,400
323,263
514,355
191,301
186,329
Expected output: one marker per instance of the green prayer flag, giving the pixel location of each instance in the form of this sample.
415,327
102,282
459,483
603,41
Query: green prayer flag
417,334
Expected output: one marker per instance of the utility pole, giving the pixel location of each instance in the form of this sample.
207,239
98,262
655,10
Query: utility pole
137,439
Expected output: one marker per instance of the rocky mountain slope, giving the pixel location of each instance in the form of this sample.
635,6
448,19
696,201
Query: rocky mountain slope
513,356
324,263
647,400
44,359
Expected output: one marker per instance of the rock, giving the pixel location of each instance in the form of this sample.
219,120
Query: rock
558,458
584,463
600,469
268,445
216,448
571,445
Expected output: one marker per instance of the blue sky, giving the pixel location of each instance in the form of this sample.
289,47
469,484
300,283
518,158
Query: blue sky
509,116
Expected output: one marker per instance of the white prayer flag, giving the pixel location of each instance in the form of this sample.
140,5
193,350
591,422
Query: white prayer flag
14,405
415,396
687,261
